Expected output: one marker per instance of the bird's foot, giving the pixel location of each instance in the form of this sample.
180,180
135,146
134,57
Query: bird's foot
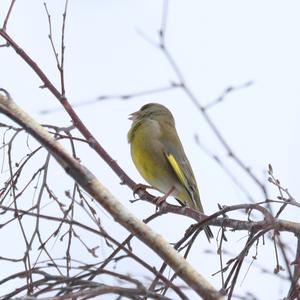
141,187
159,200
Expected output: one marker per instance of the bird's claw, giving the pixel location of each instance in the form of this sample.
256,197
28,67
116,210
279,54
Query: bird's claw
160,200
140,187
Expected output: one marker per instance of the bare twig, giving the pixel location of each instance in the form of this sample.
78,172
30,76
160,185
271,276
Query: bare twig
8,14
226,92
128,96
59,62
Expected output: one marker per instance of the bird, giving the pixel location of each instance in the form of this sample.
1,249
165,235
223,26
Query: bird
158,155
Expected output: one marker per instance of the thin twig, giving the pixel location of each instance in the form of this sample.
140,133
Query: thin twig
8,14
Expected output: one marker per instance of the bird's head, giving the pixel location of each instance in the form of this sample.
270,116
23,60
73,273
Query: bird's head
152,111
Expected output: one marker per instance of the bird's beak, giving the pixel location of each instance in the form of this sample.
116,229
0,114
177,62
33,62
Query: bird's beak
133,116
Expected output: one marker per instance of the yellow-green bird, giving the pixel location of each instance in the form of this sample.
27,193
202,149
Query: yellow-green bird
158,155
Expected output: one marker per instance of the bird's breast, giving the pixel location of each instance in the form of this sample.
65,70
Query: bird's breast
148,156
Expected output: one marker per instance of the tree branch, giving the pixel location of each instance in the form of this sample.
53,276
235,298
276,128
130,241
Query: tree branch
89,182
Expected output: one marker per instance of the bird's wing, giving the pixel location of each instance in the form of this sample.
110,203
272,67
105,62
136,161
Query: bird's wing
183,172
176,168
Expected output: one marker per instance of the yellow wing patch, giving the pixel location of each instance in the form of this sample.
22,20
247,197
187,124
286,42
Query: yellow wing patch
182,179
175,166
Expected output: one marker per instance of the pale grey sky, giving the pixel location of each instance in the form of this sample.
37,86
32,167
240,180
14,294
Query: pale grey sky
216,44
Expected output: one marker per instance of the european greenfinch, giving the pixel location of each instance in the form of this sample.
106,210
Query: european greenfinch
159,157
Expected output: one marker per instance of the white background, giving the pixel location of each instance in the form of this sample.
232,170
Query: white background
216,44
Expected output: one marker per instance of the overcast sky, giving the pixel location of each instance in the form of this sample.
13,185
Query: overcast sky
216,44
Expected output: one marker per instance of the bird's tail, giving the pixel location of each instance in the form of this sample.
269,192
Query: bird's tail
199,207
208,233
